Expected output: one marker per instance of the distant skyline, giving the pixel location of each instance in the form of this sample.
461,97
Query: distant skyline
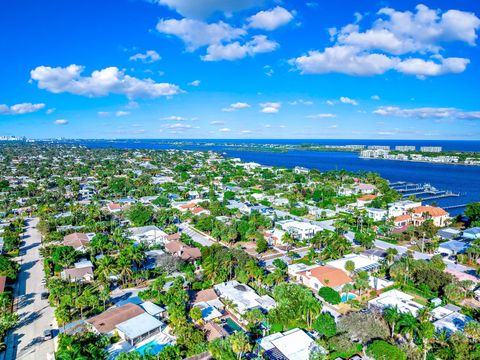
240,69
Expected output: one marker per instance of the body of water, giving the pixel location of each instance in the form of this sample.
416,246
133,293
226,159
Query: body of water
461,179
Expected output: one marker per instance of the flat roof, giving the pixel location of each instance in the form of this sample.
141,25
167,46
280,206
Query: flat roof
293,345
139,325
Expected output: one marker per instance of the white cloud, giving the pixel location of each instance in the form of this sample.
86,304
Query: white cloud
236,106
61,122
122,113
330,102
375,97
178,118
321,116
224,130
103,82
270,19
104,113
20,109
149,57
398,32
236,50
50,111
301,101
347,100
178,127
423,68
196,34
427,113
246,132
344,59
268,70
194,83
204,8
270,107
216,122
378,49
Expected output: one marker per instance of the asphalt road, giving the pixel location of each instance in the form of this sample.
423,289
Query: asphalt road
35,315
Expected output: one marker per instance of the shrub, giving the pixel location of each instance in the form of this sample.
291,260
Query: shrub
382,350
329,295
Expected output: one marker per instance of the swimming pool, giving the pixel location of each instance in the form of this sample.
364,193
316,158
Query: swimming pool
348,296
151,348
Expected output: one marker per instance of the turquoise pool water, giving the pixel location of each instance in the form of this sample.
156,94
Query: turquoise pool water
349,296
151,348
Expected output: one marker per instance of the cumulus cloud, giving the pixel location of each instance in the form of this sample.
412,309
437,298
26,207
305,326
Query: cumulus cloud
196,33
61,122
394,34
427,113
347,100
121,113
321,116
178,126
20,109
150,56
204,8
237,50
236,106
178,118
270,19
102,82
270,107
224,130
194,83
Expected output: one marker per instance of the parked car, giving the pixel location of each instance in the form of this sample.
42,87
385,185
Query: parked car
47,334
44,295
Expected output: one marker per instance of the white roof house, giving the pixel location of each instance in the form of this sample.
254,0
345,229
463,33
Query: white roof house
139,328
447,318
295,344
299,230
401,207
376,214
243,296
149,234
362,262
395,298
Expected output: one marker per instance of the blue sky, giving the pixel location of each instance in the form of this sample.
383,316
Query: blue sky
240,69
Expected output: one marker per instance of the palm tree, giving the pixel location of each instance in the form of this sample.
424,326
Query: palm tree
408,325
240,343
426,332
391,316
105,267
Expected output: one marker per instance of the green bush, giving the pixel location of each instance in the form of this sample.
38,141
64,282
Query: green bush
329,295
382,350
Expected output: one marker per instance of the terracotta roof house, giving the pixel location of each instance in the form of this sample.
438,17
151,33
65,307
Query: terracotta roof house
321,276
113,207
436,214
203,296
173,237
76,240
106,322
184,252
214,331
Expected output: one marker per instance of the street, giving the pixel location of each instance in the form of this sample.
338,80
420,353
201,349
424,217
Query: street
35,315
196,235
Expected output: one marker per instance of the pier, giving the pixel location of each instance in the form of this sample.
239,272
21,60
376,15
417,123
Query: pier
455,206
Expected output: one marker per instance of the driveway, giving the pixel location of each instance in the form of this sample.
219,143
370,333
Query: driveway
196,235
35,315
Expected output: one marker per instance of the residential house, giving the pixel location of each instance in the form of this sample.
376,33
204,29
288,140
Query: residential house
364,188
78,240
376,214
299,230
321,276
147,234
472,233
184,252
365,199
294,344
106,322
243,297
402,207
81,274
453,247
139,328
448,318
396,299
362,263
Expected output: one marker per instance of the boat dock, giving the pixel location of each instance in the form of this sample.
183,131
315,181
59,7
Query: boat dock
424,192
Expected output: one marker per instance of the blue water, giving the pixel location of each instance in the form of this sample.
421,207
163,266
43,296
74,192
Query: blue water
346,297
151,348
456,178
